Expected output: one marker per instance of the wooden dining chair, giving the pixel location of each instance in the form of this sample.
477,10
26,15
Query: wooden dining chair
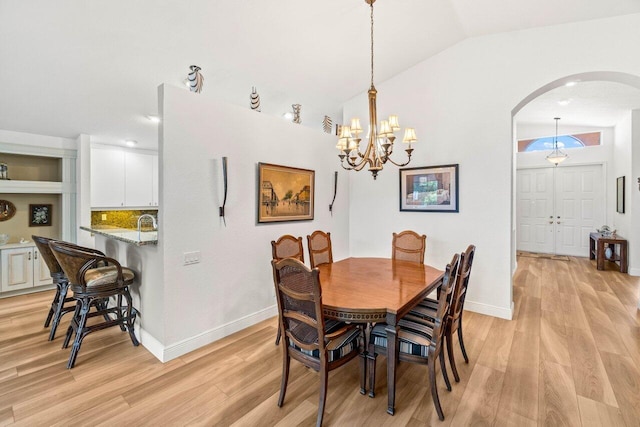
318,343
419,342
319,244
408,246
428,307
286,246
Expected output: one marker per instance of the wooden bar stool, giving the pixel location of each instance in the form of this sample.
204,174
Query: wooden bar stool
58,308
94,278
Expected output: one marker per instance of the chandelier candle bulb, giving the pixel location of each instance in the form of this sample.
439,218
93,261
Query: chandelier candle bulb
393,123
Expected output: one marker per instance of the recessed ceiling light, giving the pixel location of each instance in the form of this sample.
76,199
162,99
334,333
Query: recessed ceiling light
154,119
131,142
569,84
288,115
564,102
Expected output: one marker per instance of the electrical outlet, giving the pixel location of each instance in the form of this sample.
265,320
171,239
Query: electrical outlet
104,217
191,257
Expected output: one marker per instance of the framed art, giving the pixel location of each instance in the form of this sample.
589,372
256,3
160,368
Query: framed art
429,189
620,194
285,193
39,215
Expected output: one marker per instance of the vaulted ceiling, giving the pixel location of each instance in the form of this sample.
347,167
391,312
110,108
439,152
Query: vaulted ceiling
73,66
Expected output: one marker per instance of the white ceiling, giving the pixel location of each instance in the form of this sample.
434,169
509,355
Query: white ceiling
594,103
75,66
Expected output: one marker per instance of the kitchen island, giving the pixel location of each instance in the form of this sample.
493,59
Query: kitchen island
142,255
126,235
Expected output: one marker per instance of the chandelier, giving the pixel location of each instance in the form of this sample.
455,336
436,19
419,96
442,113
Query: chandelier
381,139
557,155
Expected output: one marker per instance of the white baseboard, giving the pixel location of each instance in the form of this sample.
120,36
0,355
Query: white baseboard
154,346
165,354
489,310
634,272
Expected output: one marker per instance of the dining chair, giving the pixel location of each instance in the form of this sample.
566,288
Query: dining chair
428,307
319,244
61,304
93,278
318,343
286,246
419,342
408,246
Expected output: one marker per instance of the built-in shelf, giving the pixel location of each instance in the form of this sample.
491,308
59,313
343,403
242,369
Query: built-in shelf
40,187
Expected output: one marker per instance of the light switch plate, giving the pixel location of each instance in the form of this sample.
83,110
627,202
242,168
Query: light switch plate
191,257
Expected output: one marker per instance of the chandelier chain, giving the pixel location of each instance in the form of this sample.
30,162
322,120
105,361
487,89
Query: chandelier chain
371,5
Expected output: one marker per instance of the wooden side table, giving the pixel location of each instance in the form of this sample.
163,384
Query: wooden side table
597,244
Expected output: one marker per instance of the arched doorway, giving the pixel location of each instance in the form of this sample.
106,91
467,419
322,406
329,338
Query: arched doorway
632,231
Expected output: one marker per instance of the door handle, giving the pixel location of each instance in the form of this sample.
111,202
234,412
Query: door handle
29,256
558,222
550,222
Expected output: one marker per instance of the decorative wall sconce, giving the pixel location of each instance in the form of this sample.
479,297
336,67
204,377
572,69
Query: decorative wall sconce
335,191
255,100
196,80
224,180
296,113
327,124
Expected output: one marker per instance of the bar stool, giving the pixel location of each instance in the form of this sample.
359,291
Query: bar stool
57,309
92,283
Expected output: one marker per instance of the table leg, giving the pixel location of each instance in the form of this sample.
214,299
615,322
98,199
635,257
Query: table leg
600,255
364,359
623,257
592,247
392,360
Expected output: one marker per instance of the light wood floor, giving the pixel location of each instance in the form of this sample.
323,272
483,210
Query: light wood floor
571,356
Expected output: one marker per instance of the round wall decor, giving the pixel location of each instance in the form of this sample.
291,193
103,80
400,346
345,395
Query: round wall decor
7,210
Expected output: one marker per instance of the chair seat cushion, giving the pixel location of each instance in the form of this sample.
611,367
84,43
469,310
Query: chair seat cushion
337,347
102,276
426,309
414,336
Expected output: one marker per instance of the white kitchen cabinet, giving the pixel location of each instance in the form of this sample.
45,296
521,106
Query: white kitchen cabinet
156,179
138,181
123,179
22,268
107,178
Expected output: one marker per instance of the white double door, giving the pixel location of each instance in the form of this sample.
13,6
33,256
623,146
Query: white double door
557,207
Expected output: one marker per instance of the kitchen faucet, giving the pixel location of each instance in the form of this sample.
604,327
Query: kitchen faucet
153,219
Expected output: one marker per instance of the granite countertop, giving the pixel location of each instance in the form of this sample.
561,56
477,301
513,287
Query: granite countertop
126,235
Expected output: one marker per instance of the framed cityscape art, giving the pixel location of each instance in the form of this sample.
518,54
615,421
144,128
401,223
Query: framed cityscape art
285,193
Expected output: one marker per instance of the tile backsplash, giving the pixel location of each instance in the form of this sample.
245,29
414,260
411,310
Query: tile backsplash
121,219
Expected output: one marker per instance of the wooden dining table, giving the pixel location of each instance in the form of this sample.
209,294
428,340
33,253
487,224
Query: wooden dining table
374,290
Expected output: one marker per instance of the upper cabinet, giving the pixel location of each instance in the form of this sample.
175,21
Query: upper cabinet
122,179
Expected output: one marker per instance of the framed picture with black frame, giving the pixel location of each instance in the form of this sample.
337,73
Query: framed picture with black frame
429,189
39,215
620,194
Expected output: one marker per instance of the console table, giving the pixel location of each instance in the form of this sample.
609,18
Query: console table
597,246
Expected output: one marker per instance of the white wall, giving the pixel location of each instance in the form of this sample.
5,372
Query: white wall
621,167
232,286
633,197
460,102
